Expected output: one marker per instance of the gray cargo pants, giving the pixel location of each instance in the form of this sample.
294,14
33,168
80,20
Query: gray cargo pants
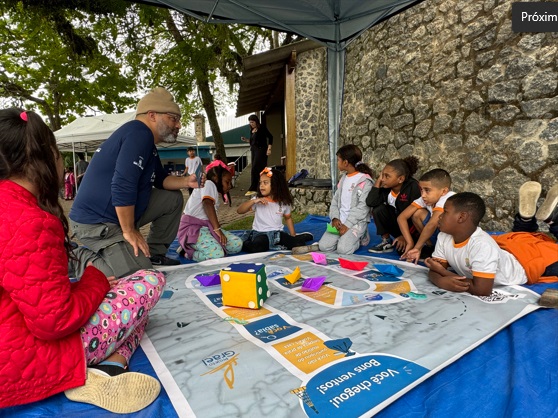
116,255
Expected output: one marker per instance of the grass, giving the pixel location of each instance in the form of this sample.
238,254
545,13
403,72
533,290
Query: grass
246,223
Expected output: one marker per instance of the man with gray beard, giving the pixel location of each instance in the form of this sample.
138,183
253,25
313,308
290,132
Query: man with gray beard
126,188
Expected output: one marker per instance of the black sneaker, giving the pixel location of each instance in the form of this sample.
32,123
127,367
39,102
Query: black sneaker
305,236
386,246
161,260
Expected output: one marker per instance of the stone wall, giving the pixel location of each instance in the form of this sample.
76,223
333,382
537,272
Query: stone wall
309,200
449,82
312,149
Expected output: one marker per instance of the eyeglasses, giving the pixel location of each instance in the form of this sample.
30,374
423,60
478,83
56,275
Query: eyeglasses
174,118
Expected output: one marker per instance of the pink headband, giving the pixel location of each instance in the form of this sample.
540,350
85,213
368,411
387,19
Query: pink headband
215,164
23,116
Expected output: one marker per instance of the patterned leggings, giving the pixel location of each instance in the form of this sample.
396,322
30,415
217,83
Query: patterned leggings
120,321
207,247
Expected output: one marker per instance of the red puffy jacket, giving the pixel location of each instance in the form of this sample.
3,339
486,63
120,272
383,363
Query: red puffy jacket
41,352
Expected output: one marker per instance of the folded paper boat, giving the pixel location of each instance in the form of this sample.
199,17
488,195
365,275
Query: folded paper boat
312,284
389,269
352,265
319,258
209,280
331,229
294,276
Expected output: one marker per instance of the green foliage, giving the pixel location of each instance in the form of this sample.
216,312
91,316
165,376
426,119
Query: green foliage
74,57
40,71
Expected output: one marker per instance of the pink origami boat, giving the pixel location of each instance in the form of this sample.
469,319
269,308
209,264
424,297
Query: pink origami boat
319,258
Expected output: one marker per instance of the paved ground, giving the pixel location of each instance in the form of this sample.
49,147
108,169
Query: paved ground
226,214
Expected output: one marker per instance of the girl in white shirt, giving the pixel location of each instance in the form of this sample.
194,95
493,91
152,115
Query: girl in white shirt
199,233
271,205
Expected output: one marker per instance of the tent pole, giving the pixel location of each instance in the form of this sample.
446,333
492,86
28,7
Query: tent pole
335,80
74,157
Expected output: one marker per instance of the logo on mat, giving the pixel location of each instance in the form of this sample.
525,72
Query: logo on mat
224,361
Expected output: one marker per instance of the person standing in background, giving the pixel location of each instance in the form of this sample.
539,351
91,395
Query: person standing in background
81,166
192,163
260,147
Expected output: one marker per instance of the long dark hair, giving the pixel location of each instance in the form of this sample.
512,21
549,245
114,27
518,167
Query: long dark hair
255,119
279,188
405,167
215,174
28,150
353,155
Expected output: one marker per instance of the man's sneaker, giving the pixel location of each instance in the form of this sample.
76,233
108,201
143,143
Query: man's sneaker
386,246
529,193
545,212
305,236
249,193
161,260
305,249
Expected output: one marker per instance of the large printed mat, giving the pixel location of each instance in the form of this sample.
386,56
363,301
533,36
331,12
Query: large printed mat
350,349
511,374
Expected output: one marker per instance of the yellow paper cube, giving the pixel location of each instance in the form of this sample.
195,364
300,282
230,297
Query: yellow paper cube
244,285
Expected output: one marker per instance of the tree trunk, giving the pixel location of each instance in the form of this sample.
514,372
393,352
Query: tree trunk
209,106
205,91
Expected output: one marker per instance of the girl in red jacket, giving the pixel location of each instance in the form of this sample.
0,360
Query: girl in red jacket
54,327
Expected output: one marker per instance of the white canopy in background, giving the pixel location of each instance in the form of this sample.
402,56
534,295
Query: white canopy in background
87,133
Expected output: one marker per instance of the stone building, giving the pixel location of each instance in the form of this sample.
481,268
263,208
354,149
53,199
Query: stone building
447,81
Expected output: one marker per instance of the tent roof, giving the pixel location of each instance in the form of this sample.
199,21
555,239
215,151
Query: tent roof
262,78
89,132
331,22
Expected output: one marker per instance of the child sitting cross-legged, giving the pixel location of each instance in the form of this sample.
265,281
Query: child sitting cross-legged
199,233
481,261
424,213
271,205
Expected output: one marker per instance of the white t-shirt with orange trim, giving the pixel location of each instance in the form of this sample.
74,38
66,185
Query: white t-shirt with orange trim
349,184
439,206
392,197
480,256
270,217
194,206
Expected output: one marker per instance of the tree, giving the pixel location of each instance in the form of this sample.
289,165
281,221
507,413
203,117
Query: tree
58,69
193,59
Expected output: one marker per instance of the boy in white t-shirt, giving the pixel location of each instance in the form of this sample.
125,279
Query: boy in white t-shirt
192,163
424,213
481,261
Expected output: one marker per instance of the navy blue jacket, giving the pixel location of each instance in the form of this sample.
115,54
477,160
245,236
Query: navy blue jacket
121,173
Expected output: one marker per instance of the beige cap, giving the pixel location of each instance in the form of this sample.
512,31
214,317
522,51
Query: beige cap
158,100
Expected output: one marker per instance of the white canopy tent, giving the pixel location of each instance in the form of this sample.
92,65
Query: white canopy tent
87,133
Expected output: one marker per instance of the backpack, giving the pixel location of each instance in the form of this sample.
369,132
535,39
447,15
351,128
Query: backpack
302,174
